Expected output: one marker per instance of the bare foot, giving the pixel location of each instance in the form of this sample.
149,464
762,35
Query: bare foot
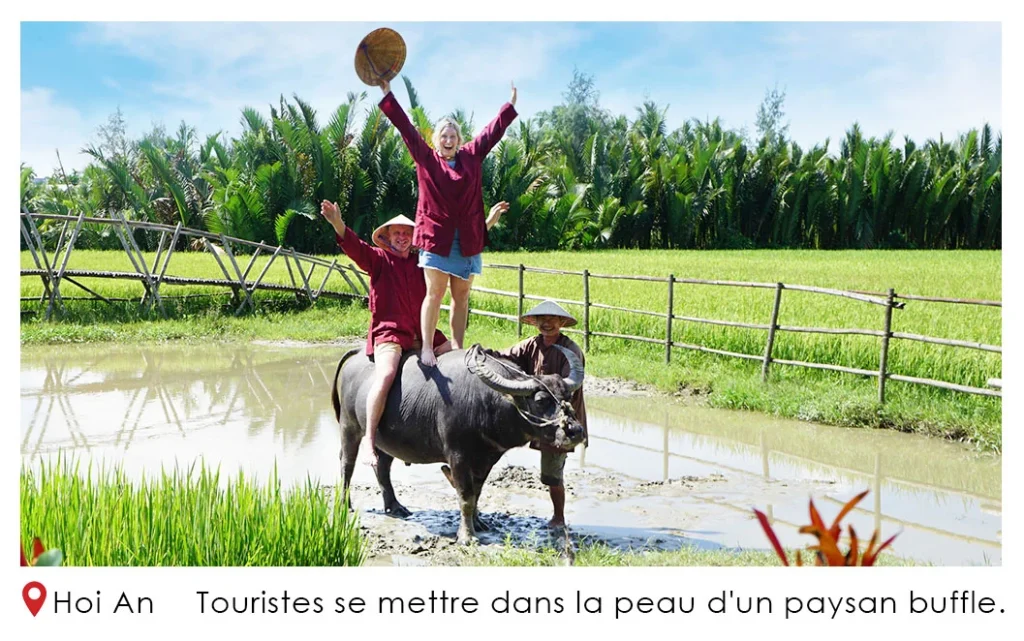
556,524
427,357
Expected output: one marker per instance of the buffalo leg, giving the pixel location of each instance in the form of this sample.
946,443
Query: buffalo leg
383,471
350,440
478,482
462,479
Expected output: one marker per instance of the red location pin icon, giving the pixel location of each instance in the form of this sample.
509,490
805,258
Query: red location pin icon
34,605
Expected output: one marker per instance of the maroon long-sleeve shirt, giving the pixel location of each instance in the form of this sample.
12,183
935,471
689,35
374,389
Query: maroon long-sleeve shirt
397,290
449,198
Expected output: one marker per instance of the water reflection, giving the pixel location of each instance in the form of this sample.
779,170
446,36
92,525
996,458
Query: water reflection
255,408
944,498
231,405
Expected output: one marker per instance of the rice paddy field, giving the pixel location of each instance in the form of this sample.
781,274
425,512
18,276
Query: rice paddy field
190,517
817,395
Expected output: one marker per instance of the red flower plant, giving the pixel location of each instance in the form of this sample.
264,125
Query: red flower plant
41,556
827,550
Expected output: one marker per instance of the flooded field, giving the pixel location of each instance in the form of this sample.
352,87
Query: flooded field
657,473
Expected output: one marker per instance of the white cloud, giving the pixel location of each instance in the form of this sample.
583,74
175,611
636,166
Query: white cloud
919,80
208,72
912,79
942,79
46,126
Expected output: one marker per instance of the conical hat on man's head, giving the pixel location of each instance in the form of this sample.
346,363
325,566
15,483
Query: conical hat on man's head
380,235
380,56
548,308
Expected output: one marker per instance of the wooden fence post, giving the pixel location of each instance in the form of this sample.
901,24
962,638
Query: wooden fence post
668,319
519,316
771,333
883,360
586,310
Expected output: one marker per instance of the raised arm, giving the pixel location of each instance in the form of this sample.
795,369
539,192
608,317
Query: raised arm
418,148
364,254
492,133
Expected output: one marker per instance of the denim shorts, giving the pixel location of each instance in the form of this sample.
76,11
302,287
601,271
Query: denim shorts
454,263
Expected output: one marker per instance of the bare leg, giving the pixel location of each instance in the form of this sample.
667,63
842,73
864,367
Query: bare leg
385,366
437,281
557,493
460,309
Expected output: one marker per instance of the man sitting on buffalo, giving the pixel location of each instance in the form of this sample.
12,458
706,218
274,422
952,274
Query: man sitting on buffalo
397,290
537,355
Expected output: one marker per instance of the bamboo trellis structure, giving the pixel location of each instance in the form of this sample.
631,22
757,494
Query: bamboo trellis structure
154,276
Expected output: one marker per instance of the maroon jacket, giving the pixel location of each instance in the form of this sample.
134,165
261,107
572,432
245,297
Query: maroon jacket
449,199
397,290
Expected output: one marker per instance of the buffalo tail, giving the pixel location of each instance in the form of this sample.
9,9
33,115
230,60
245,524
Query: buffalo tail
335,399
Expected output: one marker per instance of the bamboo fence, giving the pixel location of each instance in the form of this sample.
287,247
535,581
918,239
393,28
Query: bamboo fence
889,301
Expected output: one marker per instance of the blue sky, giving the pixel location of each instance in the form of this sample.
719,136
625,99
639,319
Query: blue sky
916,79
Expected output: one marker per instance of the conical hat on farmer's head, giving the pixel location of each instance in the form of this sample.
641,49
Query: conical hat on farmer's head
381,234
548,308
380,56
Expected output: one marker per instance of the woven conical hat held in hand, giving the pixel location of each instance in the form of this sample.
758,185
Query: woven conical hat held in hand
380,56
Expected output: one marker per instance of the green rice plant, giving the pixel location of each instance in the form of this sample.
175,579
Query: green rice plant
187,517
947,274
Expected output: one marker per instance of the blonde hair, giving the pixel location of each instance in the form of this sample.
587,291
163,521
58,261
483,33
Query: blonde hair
442,124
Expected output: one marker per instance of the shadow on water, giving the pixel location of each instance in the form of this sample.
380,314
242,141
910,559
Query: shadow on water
656,474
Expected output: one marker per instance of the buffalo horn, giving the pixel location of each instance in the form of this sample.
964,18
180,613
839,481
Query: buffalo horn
476,361
575,378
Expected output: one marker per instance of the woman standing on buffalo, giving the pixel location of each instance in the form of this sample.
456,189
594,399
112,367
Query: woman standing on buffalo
450,227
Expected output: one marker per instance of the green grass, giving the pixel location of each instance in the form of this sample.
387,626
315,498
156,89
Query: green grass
184,518
833,398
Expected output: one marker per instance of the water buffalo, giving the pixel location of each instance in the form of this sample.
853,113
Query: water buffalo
466,412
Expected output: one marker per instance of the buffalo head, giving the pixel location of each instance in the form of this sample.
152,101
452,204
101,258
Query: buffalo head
544,402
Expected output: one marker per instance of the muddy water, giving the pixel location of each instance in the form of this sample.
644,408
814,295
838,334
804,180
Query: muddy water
656,474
